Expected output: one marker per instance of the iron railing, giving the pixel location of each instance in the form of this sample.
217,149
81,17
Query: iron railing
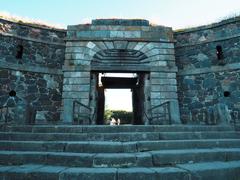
159,113
82,113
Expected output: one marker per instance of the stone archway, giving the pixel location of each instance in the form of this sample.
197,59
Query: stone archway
127,48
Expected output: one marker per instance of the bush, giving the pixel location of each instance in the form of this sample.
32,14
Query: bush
125,116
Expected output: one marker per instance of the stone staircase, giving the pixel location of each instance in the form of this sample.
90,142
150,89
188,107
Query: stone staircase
166,152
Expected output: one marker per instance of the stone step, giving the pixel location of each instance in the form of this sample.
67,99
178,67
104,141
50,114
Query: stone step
112,129
144,159
122,137
204,171
116,147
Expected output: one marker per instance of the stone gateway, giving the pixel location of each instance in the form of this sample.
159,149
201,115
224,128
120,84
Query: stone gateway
185,93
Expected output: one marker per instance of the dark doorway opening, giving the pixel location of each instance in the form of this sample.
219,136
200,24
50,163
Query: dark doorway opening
135,83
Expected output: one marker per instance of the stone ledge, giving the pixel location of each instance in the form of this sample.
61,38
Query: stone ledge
29,68
31,39
209,41
228,67
210,26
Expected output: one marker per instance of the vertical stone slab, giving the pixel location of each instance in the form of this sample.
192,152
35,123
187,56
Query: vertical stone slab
68,111
93,97
147,102
174,112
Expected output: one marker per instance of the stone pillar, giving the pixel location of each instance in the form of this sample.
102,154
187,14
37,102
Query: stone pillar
163,89
76,86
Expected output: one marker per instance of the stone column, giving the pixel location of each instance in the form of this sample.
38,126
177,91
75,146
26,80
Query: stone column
76,86
164,88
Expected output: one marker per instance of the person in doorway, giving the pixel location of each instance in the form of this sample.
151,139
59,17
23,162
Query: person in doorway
113,122
118,122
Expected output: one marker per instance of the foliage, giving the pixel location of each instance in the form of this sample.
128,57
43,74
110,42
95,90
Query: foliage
125,116
108,114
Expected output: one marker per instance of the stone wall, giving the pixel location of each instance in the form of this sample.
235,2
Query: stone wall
202,79
37,76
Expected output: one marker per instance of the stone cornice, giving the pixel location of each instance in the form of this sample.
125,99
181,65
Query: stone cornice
213,69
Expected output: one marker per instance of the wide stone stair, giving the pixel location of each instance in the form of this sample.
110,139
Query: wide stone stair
168,152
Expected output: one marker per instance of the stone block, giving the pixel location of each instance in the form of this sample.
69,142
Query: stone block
136,174
159,63
101,34
163,88
139,46
174,112
154,52
76,88
72,75
131,45
160,57
163,95
76,95
68,56
77,49
80,56
78,147
84,34
77,80
171,173
129,147
125,34
89,173
213,170
114,160
109,44
91,45
116,34
47,172
106,147
144,159
77,43
120,44
163,81
100,45
70,159
81,62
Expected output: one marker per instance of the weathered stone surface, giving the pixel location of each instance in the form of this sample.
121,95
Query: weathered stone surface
89,173
136,173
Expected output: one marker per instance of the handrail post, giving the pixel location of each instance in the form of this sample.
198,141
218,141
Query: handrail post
174,113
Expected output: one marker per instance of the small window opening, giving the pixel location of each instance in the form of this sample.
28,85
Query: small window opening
226,93
12,93
219,52
19,52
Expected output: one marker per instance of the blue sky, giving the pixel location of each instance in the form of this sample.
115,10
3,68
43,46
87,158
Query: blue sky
173,13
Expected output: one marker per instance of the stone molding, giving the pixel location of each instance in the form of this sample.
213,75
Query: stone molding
31,39
120,39
29,68
209,41
228,67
